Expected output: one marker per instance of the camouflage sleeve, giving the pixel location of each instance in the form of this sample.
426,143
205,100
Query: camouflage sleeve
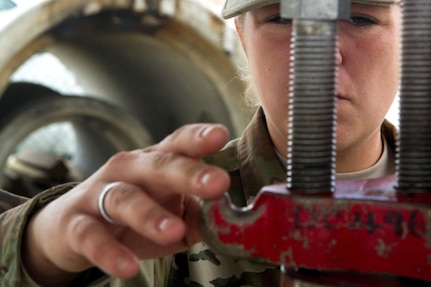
14,214
153,273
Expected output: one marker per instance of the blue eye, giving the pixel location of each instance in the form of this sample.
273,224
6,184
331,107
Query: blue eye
280,21
362,21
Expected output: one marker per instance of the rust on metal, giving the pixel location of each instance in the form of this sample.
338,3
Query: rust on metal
372,231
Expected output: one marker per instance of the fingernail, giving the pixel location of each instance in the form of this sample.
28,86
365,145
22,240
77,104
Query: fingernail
206,178
122,263
164,224
206,131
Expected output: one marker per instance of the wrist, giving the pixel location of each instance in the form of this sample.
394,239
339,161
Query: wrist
38,267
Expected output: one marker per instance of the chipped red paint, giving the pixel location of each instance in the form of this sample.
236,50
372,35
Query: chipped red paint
371,230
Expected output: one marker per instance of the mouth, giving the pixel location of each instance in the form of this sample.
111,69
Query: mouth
341,97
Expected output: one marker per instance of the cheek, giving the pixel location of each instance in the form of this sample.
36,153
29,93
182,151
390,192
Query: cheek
387,82
270,72
384,56
377,74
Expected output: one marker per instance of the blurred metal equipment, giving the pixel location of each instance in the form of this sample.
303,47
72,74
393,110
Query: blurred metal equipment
374,232
100,127
165,63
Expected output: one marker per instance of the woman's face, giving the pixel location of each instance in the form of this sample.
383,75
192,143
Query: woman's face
368,71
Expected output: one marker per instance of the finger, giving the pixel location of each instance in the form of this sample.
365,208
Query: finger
160,173
160,168
129,205
93,241
196,140
182,174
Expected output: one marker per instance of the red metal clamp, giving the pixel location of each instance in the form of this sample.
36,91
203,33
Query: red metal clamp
363,227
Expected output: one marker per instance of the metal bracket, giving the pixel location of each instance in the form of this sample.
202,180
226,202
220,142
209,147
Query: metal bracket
374,232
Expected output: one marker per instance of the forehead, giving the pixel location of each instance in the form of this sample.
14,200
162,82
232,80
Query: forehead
355,6
236,7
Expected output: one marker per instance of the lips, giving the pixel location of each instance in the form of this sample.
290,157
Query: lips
341,97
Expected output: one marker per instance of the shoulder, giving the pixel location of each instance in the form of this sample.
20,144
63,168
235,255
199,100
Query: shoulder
9,200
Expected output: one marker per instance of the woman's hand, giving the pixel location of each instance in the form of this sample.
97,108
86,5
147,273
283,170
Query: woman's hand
154,206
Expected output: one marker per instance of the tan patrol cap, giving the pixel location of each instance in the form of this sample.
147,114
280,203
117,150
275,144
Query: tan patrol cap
236,7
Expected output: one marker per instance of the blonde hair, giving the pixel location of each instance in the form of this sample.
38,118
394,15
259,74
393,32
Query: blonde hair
250,96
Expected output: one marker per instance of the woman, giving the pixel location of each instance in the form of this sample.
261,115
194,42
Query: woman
152,209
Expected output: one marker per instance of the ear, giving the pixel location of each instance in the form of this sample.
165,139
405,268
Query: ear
239,27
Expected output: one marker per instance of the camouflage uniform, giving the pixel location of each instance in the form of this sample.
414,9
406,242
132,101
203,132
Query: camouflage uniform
251,162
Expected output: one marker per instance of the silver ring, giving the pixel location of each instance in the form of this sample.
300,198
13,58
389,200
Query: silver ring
101,202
